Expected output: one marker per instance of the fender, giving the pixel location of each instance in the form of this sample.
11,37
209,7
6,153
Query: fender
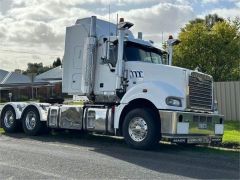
42,109
18,108
156,93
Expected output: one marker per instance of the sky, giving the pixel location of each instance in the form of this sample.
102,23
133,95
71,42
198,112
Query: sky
34,30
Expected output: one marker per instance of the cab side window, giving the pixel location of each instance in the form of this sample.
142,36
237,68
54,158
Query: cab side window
113,55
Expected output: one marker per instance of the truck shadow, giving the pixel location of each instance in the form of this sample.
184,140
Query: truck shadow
184,161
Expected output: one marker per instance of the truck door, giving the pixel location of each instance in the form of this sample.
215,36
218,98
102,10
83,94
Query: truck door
105,78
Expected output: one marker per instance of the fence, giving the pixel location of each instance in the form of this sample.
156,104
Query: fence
228,98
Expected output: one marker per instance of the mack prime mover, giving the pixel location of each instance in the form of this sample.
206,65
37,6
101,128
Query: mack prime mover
133,92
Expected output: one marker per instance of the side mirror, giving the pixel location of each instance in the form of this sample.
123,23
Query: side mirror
106,55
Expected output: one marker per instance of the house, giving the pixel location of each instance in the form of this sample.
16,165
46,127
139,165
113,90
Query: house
23,87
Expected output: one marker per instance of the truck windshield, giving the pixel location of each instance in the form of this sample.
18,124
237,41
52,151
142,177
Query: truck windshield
137,52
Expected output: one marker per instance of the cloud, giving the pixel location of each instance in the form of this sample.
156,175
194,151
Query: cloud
31,22
3,31
163,17
38,26
210,1
36,32
227,13
238,4
34,27
11,60
42,24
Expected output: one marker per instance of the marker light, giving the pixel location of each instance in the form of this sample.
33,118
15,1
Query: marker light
121,20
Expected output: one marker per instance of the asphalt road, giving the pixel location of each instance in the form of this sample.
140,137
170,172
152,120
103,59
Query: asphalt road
73,156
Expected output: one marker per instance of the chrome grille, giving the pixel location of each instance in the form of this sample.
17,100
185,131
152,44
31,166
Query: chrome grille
200,91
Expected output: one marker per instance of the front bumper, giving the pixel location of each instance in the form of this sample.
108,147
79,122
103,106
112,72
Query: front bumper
193,139
191,127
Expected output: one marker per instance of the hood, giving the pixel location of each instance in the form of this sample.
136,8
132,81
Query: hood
140,72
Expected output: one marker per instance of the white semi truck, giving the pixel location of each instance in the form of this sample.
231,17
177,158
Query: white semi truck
132,91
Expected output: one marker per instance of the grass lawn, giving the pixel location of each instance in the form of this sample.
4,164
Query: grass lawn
75,103
231,132
1,130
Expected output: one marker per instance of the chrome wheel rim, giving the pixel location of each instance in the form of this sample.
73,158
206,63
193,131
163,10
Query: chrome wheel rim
31,120
138,129
9,119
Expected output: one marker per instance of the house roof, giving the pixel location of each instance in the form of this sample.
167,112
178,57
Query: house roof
13,79
16,78
53,75
3,74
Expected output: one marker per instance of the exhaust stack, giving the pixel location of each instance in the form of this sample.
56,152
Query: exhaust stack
93,30
171,42
140,35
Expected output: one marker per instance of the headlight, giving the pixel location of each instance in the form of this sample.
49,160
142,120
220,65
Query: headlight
174,101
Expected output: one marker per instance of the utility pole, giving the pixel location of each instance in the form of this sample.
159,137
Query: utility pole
32,76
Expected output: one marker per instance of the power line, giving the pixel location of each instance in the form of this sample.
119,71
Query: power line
26,52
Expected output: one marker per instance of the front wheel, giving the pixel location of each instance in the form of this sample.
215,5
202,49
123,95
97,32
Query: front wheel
31,122
141,129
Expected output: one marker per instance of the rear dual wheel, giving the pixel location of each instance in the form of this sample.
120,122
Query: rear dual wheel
31,122
8,120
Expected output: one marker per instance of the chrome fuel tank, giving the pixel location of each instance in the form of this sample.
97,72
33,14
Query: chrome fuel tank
66,117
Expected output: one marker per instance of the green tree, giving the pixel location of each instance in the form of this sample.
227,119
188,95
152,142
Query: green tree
212,19
57,62
36,68
212,47
195,21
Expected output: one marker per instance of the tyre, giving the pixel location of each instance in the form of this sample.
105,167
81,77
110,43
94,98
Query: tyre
31,122
141,129
8,120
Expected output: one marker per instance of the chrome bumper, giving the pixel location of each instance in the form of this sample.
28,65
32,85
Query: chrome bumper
193,139
191,127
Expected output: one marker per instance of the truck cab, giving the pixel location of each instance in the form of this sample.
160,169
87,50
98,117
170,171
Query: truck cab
133,90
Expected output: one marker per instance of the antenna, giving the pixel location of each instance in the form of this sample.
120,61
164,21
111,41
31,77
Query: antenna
117,26
108,43
162,37
109,10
